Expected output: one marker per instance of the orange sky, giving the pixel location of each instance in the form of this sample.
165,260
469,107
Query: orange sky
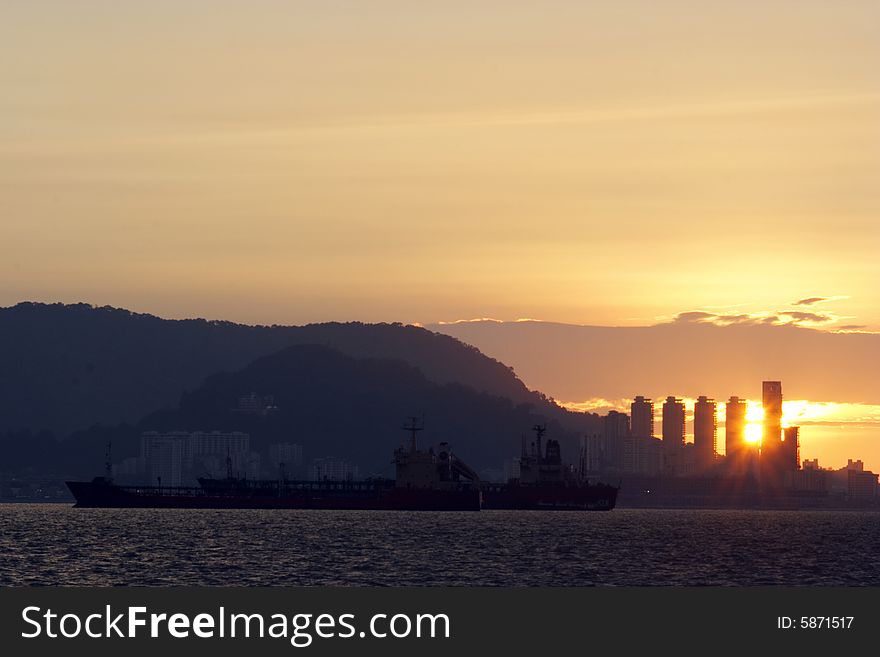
606,163
615,163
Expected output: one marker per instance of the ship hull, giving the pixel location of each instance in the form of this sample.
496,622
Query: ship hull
586,497
319,495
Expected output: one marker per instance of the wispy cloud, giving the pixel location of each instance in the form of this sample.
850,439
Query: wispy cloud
597,405
815,318
786,317
469,321
778,318
810,301
694,316
477,320
724,319
722,107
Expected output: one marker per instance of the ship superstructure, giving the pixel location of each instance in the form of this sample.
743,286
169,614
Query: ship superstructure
545,482
420,469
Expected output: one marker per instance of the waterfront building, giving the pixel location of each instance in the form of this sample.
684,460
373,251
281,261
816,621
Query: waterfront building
673,433
642,418
705,433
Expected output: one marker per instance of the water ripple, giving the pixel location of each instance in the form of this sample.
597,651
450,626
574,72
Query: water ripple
47,544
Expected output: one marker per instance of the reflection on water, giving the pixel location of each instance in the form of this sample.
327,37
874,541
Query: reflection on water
56,544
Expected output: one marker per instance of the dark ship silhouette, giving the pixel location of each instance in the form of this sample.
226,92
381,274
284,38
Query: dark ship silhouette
425,481
546,483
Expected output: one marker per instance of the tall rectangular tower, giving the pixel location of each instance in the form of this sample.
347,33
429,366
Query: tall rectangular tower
705,432
772,464
642,418
673,423
791,448
734,426
673,434
616,431
771,399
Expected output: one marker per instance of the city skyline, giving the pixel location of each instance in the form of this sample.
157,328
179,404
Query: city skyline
832,384
752,426
763,458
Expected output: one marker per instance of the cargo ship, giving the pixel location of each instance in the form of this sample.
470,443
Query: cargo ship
545,483
425,481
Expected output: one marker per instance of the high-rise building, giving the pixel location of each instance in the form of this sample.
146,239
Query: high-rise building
178,457
791,448
673,422
773,462
615,431
705,432
771,399
642,418
861,484
734,426
285,458
643,456
333,469
592,453
673,433
740,456
163,456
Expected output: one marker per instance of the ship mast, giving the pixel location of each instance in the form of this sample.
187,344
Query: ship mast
413,426
539,430
108,467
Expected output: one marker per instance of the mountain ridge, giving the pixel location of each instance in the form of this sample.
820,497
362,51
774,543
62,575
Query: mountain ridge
65,367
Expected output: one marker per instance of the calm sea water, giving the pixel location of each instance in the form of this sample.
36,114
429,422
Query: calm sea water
48,544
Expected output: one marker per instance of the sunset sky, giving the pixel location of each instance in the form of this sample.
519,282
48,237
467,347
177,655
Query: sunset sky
604,163
607,163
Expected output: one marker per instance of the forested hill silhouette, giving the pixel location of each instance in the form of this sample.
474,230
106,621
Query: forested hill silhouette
336,405
67,367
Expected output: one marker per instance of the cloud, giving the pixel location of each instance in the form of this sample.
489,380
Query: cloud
597,405
853,327
472,321
809,301
722,319
815,318
742,318
694,316
779,318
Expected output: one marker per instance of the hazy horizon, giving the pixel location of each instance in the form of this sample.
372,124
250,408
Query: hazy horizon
626,164
597,369
609,163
